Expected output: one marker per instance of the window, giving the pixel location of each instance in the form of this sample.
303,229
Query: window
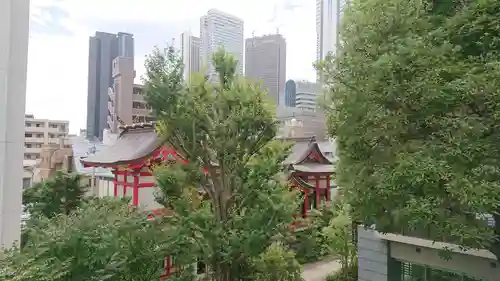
37,156
38,125
39,135
28,135
26,182
28,145
27,124
27,156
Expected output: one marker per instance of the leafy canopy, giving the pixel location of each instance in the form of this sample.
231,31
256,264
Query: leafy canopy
229,216
104,239
58,195
415,107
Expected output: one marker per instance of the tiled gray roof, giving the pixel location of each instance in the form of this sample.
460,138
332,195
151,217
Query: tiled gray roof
135,142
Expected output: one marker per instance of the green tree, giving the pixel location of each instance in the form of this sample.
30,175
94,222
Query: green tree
338,240
277,264
230,215
58,195
61,194
415,106
104,239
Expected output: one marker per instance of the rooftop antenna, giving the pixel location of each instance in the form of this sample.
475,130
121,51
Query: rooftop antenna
253,33
277,30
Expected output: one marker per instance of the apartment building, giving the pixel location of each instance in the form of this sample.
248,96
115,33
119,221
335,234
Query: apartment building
126,104
40,132
265,61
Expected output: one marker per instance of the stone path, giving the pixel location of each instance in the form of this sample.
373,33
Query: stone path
318,271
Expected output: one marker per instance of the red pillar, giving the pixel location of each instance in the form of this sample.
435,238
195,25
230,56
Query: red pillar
135,196
316,178
115,184
125,183
306,203
328,196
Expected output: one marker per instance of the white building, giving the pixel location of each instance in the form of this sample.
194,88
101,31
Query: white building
219,29
190,50
14,31
38,132
328,19
302,94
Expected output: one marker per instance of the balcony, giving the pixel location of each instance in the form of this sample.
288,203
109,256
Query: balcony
111,108
32,150
111,122
138,98
34,140
34,129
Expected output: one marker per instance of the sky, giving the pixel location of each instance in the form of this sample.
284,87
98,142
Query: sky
60,30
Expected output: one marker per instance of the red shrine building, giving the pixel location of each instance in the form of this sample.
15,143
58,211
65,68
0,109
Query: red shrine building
138,148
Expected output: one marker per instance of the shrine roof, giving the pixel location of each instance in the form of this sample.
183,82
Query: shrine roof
135,142
302,146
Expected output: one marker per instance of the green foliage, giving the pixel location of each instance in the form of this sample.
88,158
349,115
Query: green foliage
277,264
309,244
61,194
58,195
228,128
104,239
415,107
338,238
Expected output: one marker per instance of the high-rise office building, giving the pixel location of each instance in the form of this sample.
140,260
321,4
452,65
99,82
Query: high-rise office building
103,48
14,31
328,18
265,61
190,50
302,94
219,29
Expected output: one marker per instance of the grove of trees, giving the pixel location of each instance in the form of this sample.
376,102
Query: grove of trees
414,103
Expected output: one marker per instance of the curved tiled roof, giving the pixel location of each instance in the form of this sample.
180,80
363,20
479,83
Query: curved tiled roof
135,143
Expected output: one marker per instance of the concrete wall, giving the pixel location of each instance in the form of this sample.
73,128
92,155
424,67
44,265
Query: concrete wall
14,31
372,256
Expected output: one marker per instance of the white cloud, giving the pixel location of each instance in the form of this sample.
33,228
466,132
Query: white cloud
57,67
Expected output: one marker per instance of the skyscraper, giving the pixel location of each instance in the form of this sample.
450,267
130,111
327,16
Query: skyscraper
265,60
328,18
219,29
190,50
103,48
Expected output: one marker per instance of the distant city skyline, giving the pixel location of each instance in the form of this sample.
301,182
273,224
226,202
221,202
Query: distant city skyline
58,49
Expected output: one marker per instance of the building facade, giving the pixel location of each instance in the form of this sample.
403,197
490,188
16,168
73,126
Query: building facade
190,50
40,132
219,29
328,19
311,123
103,49
302,94
126,104
265,61
14,31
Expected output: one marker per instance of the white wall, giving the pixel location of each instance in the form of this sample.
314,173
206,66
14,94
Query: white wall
14,30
